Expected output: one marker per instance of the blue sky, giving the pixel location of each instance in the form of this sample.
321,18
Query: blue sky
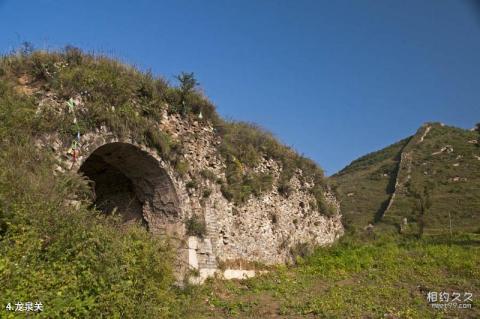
333,79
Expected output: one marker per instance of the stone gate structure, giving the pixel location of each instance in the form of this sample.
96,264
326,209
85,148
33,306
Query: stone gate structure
136,182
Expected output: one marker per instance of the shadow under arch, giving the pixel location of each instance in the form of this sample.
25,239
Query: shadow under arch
131,182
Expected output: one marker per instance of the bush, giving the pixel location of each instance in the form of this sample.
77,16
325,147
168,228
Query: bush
324,207
206,193
73,55
244,145
196,227
182,167
285,189
259,183
227,192
208,174
191,184
301,250
158,140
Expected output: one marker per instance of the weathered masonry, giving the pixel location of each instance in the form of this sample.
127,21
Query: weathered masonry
130,181
133,181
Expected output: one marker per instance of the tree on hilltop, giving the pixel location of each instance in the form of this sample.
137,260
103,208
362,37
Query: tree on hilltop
187,86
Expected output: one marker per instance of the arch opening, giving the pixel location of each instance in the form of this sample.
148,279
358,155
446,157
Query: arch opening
131,183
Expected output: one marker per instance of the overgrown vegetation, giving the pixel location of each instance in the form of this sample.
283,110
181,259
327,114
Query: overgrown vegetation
240,184
438,188
244,146
130,103
68,256
56,249
196,226
451,179
383,278
118,96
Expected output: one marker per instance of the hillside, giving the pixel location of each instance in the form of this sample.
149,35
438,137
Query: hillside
116,187
418,185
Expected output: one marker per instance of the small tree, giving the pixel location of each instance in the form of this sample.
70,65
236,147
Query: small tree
187,86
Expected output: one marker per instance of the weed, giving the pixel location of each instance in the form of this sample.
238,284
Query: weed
196,226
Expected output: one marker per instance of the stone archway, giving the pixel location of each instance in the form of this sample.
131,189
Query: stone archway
132,183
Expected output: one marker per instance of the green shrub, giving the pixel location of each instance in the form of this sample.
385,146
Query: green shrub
182,167
285,189
206,193
301,250
159,140
259,183
191,184
236,192
241,185
244,145
227,192
196,227
73,55
324,207
208,174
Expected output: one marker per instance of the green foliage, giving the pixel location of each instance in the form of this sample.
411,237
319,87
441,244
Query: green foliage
187,99
206,193
373,158
435,187
248,142
227,192
182,167
208,174
284,188
70,257
357,279
301,250
240,185
187,83
244,145
130,103
116,95
195,226
187,86
324,207
159,140
191,184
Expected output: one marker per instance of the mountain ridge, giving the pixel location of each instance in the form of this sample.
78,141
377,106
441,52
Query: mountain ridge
427,166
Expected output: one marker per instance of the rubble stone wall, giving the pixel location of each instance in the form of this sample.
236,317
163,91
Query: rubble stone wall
265,229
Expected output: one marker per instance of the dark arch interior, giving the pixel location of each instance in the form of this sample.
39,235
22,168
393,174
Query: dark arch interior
114,191
129,182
